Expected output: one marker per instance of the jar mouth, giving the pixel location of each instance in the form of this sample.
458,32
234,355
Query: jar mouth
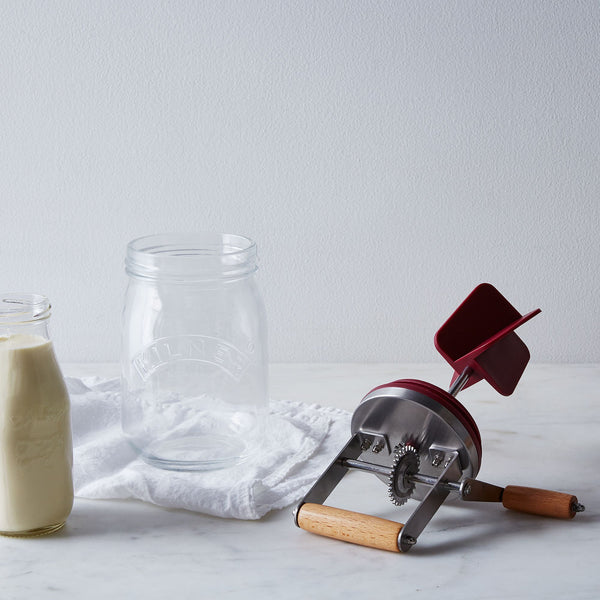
187,257
23,307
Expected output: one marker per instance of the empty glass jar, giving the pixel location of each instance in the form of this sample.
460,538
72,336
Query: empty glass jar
194,362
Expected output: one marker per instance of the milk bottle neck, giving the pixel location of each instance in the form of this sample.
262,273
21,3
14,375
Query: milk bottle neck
24,314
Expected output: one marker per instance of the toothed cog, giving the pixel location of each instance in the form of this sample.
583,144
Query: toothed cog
406,463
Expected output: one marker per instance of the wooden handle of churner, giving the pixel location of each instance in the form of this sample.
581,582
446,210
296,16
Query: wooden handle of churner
350,526
539,502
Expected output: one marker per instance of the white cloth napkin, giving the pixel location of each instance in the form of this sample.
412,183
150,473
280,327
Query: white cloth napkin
302,440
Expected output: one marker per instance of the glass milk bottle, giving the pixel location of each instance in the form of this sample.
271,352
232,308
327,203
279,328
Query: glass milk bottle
36,457
194,364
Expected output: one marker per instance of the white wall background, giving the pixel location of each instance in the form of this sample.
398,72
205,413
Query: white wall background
387,157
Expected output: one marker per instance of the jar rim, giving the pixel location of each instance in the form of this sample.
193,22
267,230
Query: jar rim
18,307
190,257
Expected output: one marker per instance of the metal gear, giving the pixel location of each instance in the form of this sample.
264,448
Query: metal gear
406,463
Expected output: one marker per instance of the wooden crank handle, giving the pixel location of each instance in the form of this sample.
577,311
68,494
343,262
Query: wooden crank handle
350,526
540,502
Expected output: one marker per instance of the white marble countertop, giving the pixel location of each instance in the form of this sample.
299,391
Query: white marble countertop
545,435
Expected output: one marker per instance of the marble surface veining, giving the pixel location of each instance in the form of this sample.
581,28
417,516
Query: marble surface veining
545,435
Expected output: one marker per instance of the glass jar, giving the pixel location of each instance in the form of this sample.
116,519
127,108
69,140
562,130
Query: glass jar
36,454
194,361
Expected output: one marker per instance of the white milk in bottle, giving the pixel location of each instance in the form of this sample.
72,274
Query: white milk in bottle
36,489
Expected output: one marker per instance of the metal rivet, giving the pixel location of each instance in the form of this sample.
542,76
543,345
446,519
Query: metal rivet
378,447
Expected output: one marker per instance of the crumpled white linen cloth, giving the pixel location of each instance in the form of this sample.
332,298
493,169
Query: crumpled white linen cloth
301,442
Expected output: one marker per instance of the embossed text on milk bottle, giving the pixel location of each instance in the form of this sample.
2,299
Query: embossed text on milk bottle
194,351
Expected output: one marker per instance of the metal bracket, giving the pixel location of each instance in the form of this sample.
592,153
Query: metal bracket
328,481
430,504
375,441
439,456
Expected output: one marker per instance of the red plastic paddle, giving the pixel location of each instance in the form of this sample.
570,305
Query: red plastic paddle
479,342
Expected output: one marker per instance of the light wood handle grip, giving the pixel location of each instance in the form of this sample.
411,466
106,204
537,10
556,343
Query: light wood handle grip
350,526
539,502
